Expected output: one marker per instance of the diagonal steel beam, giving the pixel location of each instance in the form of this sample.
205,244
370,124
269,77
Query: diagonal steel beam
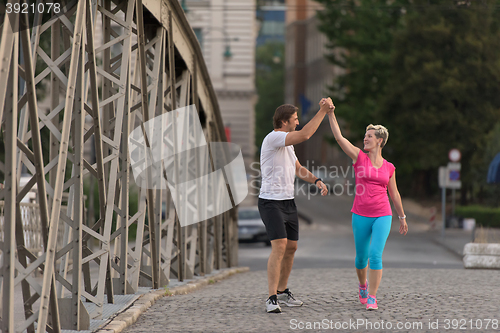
10,105
61,167
49,299
159,91
145,113
79,116
6,44
173,100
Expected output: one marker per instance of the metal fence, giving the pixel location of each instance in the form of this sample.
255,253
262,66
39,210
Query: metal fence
105,67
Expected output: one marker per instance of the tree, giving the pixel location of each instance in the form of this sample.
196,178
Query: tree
428,70
443,90
270,85
488,193
360,35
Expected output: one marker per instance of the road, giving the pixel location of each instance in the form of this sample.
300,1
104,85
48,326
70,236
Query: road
424,288
328,242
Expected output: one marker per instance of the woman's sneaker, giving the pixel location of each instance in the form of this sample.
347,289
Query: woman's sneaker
287,298
371,304
272,304
363,293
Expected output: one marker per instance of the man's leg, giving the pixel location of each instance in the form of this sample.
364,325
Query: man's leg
292,232
274,264
286,264
285,296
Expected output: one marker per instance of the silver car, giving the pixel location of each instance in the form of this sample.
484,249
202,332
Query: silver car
250,226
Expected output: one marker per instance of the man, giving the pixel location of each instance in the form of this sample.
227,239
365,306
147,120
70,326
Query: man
279,166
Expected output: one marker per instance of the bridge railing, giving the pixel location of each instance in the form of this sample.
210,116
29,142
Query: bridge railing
82,79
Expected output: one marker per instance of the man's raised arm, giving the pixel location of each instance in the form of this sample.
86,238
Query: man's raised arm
310,128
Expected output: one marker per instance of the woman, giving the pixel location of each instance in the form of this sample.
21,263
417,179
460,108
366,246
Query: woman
371,211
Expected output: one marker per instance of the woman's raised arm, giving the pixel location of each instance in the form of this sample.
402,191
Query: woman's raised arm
346,146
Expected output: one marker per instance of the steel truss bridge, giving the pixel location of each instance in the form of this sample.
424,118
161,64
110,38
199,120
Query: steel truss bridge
103,68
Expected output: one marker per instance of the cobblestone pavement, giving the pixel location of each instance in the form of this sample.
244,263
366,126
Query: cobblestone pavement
410,300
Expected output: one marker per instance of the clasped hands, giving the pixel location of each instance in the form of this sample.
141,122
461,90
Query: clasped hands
326,104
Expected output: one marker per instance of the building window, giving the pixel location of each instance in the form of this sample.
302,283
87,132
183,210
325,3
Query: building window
273,28
199,35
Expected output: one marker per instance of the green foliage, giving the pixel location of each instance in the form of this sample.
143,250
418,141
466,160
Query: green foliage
487,194
270,83
443,91
485,216
167,291
427,70
360,33
492,144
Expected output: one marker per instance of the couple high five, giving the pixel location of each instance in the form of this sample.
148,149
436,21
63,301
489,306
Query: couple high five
372,214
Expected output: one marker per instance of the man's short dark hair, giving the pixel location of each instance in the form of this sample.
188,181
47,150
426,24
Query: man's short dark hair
283,113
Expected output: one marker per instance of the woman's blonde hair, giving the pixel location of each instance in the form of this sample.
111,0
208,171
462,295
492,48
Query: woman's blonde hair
380,133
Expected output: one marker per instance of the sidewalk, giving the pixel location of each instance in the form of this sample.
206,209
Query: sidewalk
126,316
453,239
117,317
410,300
421,300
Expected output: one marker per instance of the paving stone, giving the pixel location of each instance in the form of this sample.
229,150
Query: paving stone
415,299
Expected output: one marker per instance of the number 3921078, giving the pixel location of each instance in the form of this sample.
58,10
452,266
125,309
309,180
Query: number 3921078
34,8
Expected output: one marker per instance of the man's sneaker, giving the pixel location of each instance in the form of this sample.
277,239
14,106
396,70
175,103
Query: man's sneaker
371,304
287,298
363,293
272,304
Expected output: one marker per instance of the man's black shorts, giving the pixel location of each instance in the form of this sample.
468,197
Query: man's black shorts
280,218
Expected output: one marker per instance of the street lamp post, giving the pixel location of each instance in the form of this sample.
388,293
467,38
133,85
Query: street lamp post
228,54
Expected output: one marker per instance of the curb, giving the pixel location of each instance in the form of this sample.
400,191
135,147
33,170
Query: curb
452,247
448,248
130,315
482,255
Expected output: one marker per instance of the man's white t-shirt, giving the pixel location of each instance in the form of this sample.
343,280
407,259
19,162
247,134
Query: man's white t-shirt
277,166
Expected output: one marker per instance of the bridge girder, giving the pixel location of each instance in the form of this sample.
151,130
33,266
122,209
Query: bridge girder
109,67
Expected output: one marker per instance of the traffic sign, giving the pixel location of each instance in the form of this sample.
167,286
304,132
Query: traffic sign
454,175
454,155
449,176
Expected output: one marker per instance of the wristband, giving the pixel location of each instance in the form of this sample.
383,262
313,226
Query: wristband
318,180
402,217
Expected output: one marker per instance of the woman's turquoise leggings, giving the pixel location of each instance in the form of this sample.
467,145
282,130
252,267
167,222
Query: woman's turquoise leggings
370,235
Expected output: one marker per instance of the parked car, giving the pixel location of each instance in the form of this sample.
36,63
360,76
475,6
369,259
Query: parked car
335,181
325,176
250,226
